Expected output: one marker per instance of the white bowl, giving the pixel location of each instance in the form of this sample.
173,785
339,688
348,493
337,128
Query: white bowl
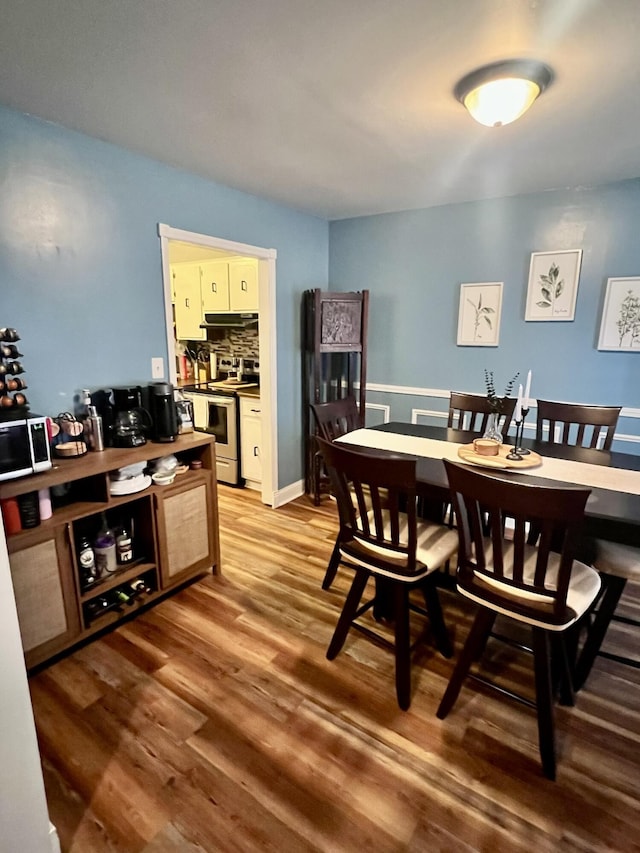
162,478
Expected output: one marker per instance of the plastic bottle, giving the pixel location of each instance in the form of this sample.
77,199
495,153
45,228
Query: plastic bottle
44,502
105,549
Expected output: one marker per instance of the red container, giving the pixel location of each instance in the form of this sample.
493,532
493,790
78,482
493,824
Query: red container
11,515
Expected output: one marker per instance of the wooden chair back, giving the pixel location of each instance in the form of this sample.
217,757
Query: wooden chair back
531,581
471,412
337,417
376,497
574,424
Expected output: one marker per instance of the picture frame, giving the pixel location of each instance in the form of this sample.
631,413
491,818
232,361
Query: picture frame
553,285
479,314
620,323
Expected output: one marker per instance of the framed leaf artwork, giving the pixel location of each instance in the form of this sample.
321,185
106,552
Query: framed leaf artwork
479,314
620,324
553,285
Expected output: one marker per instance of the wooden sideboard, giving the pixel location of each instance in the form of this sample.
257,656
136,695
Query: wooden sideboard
175,537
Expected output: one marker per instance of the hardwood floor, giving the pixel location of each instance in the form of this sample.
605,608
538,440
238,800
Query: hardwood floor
214,722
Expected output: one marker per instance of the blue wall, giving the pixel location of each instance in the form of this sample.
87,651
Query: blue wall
80,277
80,266
414,262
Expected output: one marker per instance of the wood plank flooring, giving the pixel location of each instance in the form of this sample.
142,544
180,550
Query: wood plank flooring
214,722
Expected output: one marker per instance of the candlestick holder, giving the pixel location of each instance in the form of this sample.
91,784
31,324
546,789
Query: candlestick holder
515,454
522,450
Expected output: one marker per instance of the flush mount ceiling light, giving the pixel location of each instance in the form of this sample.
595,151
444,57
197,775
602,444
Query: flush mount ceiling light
500,93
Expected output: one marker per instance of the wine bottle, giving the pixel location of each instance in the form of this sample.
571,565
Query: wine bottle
139,586
122,596
97,606
87,562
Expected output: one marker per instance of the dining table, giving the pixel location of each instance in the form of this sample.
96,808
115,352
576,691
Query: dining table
612,510
613,507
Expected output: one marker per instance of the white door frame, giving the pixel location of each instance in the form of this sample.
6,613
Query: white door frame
267,338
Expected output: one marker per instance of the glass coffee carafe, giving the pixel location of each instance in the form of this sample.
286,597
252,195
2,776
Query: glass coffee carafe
131,421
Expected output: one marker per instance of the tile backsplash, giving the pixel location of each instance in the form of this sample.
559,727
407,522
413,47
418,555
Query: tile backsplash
243,343
238,342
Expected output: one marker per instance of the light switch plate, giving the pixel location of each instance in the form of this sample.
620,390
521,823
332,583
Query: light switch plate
157,368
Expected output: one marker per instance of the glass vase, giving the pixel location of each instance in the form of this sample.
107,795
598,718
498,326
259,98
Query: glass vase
493,430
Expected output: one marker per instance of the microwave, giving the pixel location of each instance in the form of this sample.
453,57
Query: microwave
24,446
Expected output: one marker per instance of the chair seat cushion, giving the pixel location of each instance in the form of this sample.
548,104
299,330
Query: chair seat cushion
583,588
436,544
612,558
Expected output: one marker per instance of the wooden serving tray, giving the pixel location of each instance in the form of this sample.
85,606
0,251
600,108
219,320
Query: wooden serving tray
532,460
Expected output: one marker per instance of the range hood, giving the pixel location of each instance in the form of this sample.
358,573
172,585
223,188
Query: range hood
229,321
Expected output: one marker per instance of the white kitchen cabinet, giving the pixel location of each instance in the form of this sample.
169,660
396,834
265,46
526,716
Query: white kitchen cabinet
214,286
188,302
251,440
243,285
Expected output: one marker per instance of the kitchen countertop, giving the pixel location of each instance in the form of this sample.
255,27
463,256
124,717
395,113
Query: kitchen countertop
249,392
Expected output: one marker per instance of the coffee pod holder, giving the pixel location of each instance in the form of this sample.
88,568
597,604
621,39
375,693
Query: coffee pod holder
11,382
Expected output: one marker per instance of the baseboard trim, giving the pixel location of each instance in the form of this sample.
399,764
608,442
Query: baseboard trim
288,494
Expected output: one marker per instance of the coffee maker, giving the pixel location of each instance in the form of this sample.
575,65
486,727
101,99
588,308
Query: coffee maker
163,411
131,421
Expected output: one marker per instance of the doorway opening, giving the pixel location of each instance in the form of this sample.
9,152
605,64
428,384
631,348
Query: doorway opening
215,247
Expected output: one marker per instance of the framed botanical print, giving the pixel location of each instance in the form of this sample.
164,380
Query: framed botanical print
479,314
553,285
620,323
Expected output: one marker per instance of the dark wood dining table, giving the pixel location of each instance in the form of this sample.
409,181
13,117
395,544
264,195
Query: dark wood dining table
609,514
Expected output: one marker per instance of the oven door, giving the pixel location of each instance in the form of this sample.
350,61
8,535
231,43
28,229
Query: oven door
218,416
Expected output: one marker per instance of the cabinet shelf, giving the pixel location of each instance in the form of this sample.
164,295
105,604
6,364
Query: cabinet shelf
115,611
116,579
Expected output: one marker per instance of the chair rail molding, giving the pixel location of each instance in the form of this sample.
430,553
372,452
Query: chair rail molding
443,394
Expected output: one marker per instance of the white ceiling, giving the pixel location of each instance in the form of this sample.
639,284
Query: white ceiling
335,107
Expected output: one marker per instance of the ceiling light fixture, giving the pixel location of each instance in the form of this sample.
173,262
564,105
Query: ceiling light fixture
500,93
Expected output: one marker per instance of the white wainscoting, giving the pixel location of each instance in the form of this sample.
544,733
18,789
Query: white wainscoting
440,415
380,407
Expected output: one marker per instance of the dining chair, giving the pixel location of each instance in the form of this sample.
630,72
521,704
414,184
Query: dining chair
617,564
575,424
547,591
471,412
593,427
334,419
381,537
337,417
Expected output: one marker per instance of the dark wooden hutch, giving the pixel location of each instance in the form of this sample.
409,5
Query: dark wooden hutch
335,363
